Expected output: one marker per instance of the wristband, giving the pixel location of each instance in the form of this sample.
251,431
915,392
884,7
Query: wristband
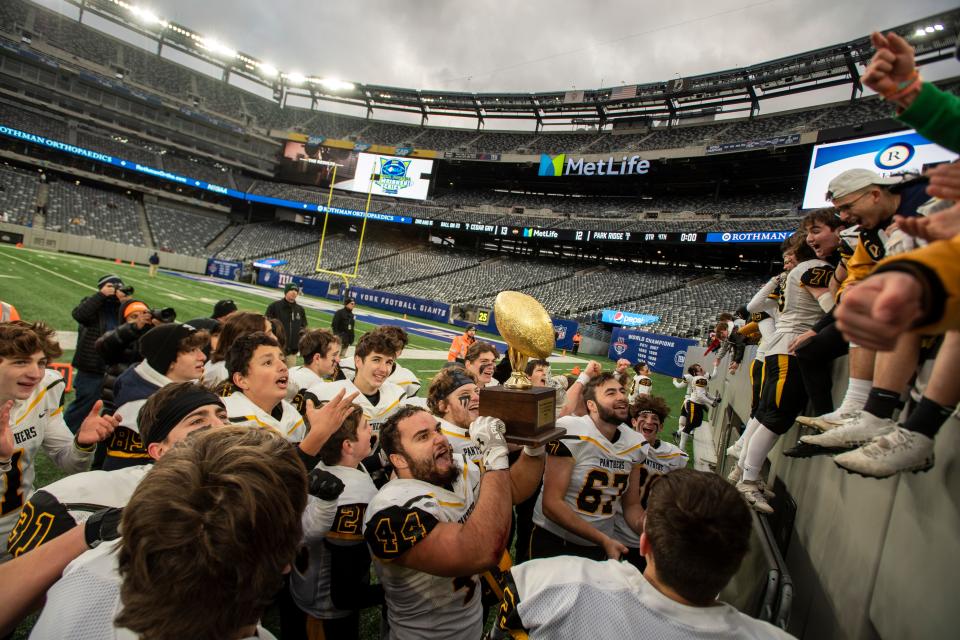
535,452
102,526
85,448
583,379
902,86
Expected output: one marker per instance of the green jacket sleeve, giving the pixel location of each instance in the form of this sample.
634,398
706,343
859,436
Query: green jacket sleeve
935,114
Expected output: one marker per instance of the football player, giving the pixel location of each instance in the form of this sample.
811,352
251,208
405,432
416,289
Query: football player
166,418
481,360
204,541
320,350
401,376
586,473
695,401
690,516
806,298
441,522
31,416
172,353
373,358
648,413
642,384
238,324
258,370
330,581
764,309
454,399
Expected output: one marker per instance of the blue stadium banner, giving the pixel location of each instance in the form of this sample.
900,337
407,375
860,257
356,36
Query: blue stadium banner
664,354
309,286
419,307
626,319
749,236
226,269
269,263
564,330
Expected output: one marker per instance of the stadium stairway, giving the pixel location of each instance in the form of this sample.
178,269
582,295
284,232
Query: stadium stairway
145,229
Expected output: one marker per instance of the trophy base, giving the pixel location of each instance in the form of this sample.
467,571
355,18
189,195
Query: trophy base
530,414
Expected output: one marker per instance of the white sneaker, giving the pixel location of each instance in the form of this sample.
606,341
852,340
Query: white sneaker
857,432
900,450
754,496
735,474
735,449
827,421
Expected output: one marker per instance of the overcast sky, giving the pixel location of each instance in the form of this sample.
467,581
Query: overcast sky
528,45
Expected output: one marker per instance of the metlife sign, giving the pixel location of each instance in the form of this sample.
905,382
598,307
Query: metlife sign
561,165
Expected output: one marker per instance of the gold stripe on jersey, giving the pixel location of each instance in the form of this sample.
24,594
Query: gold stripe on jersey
31,407
454,435
605,450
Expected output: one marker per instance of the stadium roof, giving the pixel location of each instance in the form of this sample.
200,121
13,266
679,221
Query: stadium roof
703,96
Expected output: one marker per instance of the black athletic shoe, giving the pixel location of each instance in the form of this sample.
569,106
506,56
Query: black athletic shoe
804,450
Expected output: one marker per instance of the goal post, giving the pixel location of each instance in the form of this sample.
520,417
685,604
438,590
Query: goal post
323,233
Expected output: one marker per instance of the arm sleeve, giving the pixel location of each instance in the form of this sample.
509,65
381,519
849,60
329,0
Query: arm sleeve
764,299
59,444
350,586
937,268
935,114
42,519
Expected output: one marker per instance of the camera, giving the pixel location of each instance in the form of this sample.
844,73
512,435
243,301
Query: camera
165,315
126,290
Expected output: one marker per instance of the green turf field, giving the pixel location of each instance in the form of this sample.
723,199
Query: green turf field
46,286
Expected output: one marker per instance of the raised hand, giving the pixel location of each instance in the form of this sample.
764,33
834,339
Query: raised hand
326,419
96,428
891,65
490,435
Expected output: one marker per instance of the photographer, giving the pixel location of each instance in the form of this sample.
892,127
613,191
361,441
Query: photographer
120,348
96,315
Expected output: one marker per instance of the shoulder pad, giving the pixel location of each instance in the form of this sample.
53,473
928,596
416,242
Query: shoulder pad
393,531
817,276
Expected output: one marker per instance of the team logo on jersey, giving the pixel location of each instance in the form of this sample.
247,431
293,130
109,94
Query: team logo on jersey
894,156
620,347
551,165
393,175
679,358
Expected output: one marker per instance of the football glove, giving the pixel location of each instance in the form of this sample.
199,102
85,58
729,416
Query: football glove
488,434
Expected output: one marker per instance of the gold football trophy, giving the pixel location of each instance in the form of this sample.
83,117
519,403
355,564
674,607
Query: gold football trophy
529,412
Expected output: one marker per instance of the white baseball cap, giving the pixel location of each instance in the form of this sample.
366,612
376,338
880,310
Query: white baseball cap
852,180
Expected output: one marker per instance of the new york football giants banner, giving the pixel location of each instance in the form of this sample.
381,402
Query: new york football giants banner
309,286
664,354
419,307
226,269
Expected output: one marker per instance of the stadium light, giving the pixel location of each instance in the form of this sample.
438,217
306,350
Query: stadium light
332,84
147,16
215,46
295,78
268,69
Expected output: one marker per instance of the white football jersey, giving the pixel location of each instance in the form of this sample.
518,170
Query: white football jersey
642,386
389,401
84,602
662,458
62,505
599,477
570,597
697,388
421,605
285,419
300,377
460,440
406,380
214,373
37,422
310,578
799,310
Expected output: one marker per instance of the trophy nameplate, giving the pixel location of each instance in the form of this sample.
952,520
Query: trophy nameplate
529,412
